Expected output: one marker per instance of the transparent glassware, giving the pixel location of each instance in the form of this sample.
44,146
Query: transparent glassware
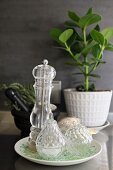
43,75
50,142
78,137
67,123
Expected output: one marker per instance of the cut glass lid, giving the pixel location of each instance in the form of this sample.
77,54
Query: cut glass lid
44,71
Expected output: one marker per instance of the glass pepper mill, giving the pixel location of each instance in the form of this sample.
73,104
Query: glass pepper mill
44,75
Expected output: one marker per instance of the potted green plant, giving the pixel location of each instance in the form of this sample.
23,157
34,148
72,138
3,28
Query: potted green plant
21,100
85,44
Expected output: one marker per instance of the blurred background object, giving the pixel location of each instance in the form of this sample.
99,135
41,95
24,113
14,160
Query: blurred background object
25,40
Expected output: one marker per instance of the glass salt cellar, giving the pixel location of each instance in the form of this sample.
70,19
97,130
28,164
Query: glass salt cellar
78,137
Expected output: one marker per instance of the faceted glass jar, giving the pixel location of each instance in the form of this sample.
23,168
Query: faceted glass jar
50,142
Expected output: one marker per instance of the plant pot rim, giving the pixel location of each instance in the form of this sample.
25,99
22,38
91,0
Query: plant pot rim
97,91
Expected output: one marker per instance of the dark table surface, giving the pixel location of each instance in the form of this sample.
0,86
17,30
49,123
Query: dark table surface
9,160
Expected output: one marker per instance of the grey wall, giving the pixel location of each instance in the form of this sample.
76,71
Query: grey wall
25,39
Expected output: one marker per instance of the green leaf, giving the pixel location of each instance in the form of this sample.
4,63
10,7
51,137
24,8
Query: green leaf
86,63
77,47
80,88
96,51
89,20
78,36
98,37
89,38
102,62
65,35
107,33
99,60
55,33
94,75
71,40
3,87
74,63
97,28
77,56
90,10
109,47
26,92
91,87
71,24
72,15
88,48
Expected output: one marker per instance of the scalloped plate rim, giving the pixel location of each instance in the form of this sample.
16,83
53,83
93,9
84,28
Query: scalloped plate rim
55,163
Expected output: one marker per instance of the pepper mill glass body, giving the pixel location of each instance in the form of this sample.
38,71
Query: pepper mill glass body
44,75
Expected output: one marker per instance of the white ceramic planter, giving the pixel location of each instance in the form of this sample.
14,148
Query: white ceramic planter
91,107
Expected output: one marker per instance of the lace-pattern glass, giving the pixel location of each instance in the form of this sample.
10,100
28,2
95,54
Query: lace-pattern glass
78,138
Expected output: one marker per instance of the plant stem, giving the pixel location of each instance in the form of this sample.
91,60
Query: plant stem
86,69
84,35
86,83
70,52
99,56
